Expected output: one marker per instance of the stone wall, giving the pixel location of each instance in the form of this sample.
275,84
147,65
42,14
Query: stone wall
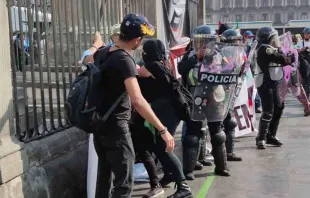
53,167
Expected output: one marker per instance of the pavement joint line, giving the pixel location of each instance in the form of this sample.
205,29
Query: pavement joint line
205,187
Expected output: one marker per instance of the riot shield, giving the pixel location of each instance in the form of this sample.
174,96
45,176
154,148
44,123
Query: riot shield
291,77
245,69
217,80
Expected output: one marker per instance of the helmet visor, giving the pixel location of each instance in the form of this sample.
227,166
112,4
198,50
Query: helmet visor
200,43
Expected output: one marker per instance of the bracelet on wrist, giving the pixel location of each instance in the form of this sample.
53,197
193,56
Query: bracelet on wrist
163,131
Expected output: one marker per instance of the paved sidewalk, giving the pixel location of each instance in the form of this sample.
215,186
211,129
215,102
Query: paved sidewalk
271,173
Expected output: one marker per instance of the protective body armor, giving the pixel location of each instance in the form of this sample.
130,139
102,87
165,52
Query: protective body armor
274,72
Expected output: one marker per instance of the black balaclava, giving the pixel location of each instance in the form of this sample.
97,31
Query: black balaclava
154,50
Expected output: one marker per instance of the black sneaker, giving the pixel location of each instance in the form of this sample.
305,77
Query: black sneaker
183,191
233,157
273,141
261,144
224,173
205,162
154,192
166,180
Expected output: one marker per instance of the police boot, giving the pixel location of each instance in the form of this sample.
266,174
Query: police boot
183,191
198,166
190,155
230,140
273,128
219,154
263,129
203,153
229,127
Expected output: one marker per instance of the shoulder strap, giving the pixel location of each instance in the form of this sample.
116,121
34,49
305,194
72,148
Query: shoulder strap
303,43
112,108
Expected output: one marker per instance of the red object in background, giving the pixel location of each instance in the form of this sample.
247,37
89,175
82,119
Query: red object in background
176,54
220,24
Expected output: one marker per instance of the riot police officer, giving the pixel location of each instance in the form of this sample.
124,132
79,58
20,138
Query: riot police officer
214,112
194,141
269,73
230,123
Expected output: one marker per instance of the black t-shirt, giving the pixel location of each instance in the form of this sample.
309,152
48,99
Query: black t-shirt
119,66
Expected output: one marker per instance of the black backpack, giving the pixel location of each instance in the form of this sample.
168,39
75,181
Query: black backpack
183,99
83,99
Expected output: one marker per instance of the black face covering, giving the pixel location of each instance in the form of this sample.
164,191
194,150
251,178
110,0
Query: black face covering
154,50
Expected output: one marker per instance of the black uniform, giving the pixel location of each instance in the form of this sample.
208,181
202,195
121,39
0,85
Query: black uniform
230,123
194,141
194,132
268,59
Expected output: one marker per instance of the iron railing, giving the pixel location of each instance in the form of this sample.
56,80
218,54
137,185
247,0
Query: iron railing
47,40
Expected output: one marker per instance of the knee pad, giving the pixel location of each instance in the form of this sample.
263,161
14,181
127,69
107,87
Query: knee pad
218,138
230,124
190,141
266,116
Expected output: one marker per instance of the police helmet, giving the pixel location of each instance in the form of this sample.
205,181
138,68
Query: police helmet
204,29
306,30
231,35
265,34
248,34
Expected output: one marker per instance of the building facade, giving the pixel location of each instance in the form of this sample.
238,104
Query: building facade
278,11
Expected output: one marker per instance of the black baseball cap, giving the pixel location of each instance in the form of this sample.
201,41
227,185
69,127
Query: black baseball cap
134,26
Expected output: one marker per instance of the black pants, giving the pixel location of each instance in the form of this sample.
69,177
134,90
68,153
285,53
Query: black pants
272,110
143,141
167,115
115,155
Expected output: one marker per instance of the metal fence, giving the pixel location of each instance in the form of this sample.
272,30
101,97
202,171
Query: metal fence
47,40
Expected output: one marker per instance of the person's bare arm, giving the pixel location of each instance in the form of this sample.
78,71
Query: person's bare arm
143,72
97,43
90,58
144,109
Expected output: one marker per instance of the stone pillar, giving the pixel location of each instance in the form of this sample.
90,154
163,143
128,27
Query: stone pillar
8,143
6,100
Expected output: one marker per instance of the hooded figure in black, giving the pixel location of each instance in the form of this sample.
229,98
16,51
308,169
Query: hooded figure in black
270,61
159,92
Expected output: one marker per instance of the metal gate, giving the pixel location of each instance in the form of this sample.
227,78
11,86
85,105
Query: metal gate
47,40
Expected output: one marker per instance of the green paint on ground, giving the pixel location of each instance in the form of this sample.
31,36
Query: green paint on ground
205,187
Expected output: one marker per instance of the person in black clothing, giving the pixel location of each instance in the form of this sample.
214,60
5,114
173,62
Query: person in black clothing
160,93
270,61
230,123
188,68
194,140
112,138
